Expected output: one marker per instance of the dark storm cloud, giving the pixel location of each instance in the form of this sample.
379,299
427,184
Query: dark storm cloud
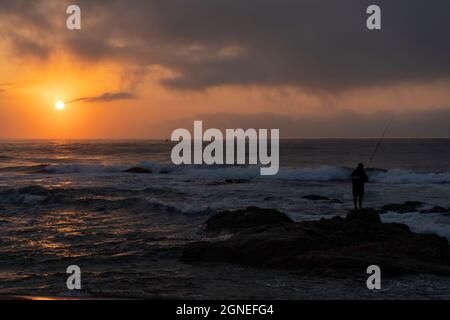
346,124
35,12
106,97
27,47
320,45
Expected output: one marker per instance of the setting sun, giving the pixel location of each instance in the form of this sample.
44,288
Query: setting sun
59,105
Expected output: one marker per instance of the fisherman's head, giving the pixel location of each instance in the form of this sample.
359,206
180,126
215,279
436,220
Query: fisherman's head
360,166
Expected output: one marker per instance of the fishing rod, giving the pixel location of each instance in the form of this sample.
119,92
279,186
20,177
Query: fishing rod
380,141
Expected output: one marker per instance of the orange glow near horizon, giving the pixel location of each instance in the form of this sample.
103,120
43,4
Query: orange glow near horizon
34,86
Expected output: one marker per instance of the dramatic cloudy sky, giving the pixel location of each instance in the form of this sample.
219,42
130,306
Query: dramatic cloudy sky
141,68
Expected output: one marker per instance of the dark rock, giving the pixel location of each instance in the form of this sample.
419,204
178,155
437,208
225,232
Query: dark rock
315,197
408,206
234,181
365,216
231,221
436,209
34,190
332,247
138,170
271,198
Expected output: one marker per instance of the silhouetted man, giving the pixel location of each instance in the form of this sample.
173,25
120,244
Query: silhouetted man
359,178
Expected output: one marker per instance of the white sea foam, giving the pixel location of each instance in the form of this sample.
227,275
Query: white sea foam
320,174
324,173
222,172
436,223
398,176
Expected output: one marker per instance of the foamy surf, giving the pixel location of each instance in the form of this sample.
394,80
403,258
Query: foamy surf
223,172
429,223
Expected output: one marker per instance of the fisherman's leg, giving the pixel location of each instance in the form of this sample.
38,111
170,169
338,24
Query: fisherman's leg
354,202
360,203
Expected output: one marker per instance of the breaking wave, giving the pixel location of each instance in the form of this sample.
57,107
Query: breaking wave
397,176
430,223
222,172
139,202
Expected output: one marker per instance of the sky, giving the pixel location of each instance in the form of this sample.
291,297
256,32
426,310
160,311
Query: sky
142,68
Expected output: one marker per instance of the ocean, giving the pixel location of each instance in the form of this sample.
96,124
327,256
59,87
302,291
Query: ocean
69,202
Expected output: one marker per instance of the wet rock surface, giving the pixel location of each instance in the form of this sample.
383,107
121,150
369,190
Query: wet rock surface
138,170
315,197
235,221
332,247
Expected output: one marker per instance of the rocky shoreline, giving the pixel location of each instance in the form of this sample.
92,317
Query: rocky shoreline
338,247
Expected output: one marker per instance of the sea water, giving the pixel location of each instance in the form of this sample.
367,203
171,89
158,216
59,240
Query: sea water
69,202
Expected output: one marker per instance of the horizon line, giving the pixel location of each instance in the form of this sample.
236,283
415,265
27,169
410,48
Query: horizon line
165,139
